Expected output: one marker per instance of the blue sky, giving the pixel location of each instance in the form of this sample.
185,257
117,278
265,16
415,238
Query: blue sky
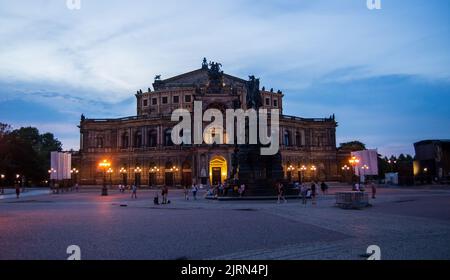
384,73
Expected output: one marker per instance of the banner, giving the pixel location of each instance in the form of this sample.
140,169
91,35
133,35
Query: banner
368,162
61,164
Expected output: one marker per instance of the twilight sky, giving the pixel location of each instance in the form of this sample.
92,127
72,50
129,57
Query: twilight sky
384,73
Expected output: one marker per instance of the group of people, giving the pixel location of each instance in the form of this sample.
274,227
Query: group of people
164,196
358,187
133,189
194,189
225,190
303,191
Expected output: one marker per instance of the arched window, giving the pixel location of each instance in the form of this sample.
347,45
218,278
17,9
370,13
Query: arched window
287,138
138,139
152,138
168,137
99,142
125,140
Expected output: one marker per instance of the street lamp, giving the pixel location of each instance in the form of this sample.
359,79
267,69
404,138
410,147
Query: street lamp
392,164
154,169
110,172
152,175
302,169
289,169
345,167
314,169
52,180
75,172
19,181
364,168
345,170
354,161
2,187
104,165
137,176
123,171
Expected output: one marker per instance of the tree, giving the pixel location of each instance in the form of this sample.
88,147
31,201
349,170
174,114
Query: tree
4,129
26,152
352,146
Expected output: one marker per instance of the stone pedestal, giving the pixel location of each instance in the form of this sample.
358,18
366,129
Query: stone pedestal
352,200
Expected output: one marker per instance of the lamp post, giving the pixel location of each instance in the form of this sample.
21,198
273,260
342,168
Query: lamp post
153,173
364,168
302,169
289,169
175,168
123,171
2,181
110,172
425,172
74,172
314,169
104,165
52,180
345,170
354,161
392,164
137,176
19,181
172,173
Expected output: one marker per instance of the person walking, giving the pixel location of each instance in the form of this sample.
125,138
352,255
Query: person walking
194,191
241,190
220,188
304,194
134,191
17,191
281,193
374,190
164,192
324,187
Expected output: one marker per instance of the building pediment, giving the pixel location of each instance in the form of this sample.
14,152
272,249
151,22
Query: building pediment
207,74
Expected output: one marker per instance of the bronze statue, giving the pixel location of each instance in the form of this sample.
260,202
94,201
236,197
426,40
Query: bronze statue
253,93
204,63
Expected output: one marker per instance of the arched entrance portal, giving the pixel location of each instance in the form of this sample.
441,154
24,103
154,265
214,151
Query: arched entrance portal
218,170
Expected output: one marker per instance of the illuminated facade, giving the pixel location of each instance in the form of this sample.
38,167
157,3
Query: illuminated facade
144,140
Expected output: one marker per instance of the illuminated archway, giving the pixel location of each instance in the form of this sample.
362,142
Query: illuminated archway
218,170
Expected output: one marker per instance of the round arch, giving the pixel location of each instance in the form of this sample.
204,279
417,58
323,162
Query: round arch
218,170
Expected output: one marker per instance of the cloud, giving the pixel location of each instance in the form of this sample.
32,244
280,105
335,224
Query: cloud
93,60
118,46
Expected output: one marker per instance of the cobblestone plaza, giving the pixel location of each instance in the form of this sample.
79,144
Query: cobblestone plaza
404,223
